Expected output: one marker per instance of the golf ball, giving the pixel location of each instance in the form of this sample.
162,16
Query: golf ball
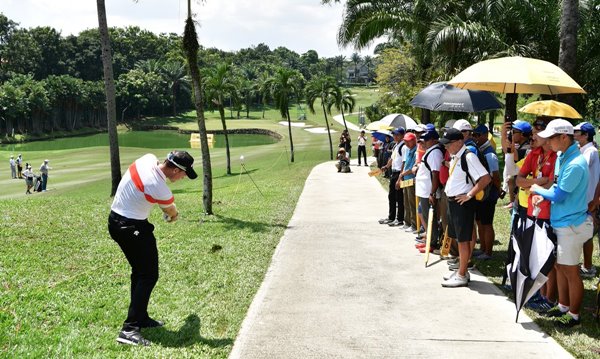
241,157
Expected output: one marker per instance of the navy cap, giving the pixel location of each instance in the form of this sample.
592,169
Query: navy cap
430,135
399,131
481,129
585,127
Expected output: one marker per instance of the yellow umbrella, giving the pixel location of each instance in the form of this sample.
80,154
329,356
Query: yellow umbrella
550,108
516,75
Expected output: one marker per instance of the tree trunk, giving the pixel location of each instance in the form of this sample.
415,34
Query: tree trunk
111,109
425,116
174,100
227,153
344,119
190,46
328,130
567,55
290,133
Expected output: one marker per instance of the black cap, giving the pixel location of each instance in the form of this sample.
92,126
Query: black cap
184,161
451,135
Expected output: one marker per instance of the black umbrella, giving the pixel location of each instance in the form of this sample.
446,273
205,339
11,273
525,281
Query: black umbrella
440,96
531,257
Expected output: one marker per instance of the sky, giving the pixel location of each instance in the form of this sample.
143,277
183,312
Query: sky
299,25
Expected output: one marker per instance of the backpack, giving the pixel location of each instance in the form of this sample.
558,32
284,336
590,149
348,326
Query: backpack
424,159
484,193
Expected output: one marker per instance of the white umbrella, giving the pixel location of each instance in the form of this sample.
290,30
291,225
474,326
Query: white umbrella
398,120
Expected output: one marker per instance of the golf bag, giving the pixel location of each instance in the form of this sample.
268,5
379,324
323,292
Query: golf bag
37,184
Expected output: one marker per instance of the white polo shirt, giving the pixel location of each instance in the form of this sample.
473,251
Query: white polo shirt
397,157
457,180
434,159
590,153
143,185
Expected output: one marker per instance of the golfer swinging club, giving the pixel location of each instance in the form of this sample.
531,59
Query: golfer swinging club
143,185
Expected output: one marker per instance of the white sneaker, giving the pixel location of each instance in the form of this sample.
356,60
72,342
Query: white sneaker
456,281
453,273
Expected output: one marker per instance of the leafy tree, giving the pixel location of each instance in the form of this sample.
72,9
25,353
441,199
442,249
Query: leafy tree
22,53
284,85
355,58
329,93
109,85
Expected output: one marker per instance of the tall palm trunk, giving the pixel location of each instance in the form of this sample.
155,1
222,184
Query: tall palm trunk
344,118
227,153
174,89
190,46
567,55
290,134
328,130
111,109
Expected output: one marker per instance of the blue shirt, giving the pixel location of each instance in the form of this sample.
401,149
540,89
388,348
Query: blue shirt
472,146
409,162
573,175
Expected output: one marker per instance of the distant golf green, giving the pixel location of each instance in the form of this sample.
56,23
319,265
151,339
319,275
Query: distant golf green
145,139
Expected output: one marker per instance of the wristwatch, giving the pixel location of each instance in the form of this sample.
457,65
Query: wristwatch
469,196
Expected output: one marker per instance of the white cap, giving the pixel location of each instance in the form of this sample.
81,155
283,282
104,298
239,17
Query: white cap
46,160
420,128
556,127
462,125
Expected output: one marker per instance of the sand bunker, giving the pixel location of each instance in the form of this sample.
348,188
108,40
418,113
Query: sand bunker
318,130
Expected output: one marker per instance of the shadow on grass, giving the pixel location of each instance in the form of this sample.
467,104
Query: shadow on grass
235,173
187,335
241,224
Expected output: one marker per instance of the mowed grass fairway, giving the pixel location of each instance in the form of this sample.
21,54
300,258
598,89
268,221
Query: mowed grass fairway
64,283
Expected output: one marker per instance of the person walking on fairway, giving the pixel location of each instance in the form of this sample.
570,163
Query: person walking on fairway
143,185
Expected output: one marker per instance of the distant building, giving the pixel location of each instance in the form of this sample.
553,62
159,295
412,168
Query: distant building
363,73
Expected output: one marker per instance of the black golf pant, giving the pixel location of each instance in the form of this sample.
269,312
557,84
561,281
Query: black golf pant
362,150
395,199
137,241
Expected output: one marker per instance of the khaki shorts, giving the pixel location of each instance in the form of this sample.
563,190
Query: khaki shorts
570,241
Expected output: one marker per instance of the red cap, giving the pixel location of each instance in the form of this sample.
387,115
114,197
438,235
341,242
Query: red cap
410,137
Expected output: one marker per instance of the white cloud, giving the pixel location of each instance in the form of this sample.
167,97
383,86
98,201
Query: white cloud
299,25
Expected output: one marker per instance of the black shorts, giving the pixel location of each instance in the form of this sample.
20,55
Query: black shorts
461,217
485,211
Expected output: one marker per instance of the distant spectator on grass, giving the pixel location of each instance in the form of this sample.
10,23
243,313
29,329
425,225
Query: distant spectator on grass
13,167
44,168
28,174
19,162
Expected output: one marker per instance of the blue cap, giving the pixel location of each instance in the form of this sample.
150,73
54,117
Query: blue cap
481,129
522,126
429,135
430,127
399,131
585,127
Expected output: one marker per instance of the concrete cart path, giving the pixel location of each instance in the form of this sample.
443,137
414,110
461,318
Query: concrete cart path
340,285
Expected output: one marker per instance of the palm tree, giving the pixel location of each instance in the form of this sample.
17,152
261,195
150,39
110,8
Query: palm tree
219,84
111,109
368,61
347,102
330,94
262,89
175,74
190,47
282,86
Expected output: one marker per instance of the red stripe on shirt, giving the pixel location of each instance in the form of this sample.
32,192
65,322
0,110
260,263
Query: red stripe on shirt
137,181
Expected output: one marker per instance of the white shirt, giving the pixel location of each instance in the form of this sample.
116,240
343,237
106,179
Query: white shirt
424,177
457,180
143,185
590,153
12,163
397,157
362,141
28,173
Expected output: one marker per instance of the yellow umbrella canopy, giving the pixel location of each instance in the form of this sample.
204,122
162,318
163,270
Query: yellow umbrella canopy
516,75
377,125
550,108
